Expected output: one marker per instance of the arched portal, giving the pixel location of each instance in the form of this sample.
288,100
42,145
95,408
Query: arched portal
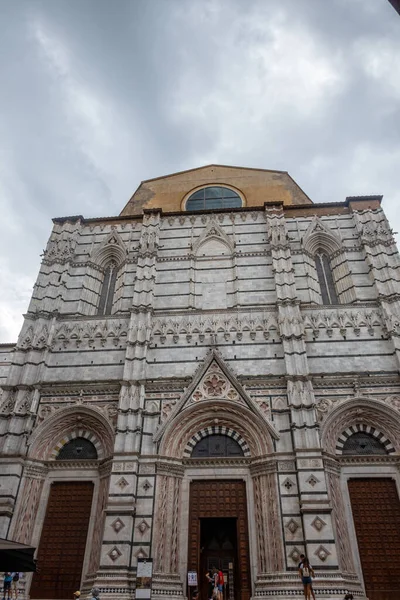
62,500
212,505
361,437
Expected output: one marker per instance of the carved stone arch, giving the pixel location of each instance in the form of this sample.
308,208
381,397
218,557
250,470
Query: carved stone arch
356,411
320,237
111,249
362,428
67,423
216,430
181,430
213,232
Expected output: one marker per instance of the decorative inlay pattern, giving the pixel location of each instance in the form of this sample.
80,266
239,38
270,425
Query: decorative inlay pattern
122,483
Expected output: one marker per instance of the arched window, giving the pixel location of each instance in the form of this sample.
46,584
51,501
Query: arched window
213,197
78,449
363,443
325,278
108,289
217,445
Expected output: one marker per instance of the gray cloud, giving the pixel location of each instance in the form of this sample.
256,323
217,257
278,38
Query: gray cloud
98,95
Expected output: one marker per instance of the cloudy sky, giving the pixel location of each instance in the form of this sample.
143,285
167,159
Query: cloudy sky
96,95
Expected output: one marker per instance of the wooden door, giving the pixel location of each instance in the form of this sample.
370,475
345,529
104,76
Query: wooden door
376,513
63,540
221,499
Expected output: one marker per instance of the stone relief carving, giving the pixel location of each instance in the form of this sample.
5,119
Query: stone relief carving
166,409
108,409
214,385
7,402
59,250
31,341
377,232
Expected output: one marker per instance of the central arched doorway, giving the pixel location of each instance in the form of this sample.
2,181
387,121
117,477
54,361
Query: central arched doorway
216,470
218,527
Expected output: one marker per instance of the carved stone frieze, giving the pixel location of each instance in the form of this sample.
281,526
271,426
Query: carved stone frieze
94,333
200,327
327,321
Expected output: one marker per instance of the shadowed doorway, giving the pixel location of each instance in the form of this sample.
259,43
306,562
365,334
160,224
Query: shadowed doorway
218,532
218,548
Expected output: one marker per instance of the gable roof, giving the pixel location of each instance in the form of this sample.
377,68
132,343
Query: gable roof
256,186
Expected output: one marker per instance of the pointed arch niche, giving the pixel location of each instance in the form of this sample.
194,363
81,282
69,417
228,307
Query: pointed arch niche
213,270
329,276
104,281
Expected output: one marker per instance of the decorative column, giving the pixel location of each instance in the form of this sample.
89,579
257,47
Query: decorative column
332,469
23,523
166,579
96,544
120,547
267,517
309,527
384,261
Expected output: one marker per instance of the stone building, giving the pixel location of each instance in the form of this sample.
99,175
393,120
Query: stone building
209,378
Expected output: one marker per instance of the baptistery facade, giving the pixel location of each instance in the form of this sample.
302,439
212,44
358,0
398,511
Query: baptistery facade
210,378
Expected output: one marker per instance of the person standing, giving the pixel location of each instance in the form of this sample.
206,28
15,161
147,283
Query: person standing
210,580
221,584
7,585
302,557
306,572
16,576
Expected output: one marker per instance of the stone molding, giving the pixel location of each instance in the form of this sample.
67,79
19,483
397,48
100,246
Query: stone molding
36,470
263,468
170,469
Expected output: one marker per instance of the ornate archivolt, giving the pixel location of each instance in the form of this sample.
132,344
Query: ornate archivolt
81,433
219,429
186,425
75,421
360,410
366,429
